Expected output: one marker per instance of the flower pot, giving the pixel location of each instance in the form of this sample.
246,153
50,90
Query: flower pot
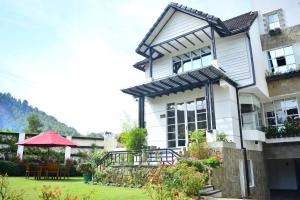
87,177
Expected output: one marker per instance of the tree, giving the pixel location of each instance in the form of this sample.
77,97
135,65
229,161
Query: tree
34,124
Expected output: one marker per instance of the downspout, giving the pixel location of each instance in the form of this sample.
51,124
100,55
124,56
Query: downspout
244,150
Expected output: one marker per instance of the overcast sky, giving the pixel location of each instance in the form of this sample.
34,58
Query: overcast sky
70,58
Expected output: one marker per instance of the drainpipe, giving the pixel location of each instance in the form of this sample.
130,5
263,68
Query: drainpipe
244,150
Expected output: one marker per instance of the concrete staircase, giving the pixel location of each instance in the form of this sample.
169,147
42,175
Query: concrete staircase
209,191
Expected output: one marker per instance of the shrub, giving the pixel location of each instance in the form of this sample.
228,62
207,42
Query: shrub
197,147
222,137
6,193
86,167
10,168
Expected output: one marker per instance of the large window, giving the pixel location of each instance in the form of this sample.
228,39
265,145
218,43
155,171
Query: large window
273,21
192,60
282,60
251,111
277,112
183,118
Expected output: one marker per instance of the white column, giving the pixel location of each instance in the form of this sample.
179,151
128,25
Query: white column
109,142
20,147
68,150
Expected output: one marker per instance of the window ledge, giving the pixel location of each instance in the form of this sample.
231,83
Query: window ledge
279,76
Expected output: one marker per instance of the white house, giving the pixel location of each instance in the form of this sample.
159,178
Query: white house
233,76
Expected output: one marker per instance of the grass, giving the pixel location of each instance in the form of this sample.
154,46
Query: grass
31,189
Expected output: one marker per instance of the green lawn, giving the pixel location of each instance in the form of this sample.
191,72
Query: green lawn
31,189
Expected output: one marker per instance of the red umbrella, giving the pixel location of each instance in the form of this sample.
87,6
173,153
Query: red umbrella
47,139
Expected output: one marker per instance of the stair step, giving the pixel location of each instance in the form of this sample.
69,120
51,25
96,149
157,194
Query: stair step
206,188
210,193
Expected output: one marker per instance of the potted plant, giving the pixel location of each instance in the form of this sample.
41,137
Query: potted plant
87,170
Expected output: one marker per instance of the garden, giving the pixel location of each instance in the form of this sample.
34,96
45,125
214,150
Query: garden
182,179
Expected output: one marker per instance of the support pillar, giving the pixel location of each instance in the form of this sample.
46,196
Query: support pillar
212,106
151,61
208,113
213,44
68,150
141,112
20,147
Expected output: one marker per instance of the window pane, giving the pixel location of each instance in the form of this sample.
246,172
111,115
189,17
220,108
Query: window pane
171,120
197,63
290,103
281,61
279,52
172,143
201,125
170,106
181,143
171,128
281,117
272,54
271,19
270,114
292,111
201,105
171,136
201,117
171,113
276,25
180,113
291,67
290,59
191,127
191,111
288,50
181,131
206,60
271,121
187,65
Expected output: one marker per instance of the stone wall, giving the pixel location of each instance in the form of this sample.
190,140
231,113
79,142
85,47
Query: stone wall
288,36
282,150
227,178
284,86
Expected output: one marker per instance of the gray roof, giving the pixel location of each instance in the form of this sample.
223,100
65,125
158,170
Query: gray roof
232,26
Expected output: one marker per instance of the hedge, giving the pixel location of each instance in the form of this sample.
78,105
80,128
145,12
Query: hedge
15,169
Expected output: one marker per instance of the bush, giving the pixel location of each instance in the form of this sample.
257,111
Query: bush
11,168
6,193
86,167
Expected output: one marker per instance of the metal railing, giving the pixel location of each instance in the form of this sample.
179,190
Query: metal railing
147,158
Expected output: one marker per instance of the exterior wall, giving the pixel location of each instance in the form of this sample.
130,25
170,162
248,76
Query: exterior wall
234,57
230,174
282,151
178,24
225,109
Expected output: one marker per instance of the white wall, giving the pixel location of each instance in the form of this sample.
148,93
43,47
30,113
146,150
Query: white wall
225,107
282,174
291,10
179,24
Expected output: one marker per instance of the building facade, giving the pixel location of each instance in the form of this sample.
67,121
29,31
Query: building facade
239,77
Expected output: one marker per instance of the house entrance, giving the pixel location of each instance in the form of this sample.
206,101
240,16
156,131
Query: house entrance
185,117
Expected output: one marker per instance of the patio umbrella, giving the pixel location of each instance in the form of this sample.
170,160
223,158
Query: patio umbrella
47,139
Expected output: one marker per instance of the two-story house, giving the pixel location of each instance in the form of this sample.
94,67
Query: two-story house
231,76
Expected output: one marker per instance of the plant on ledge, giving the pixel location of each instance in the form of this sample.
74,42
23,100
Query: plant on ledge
290,128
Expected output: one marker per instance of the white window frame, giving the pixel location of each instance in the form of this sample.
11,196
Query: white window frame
273,60
275,112
185,102
191,56
274,24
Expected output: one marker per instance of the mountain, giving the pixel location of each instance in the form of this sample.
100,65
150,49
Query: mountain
13,114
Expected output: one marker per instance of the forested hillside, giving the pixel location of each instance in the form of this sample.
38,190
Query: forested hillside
13,114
